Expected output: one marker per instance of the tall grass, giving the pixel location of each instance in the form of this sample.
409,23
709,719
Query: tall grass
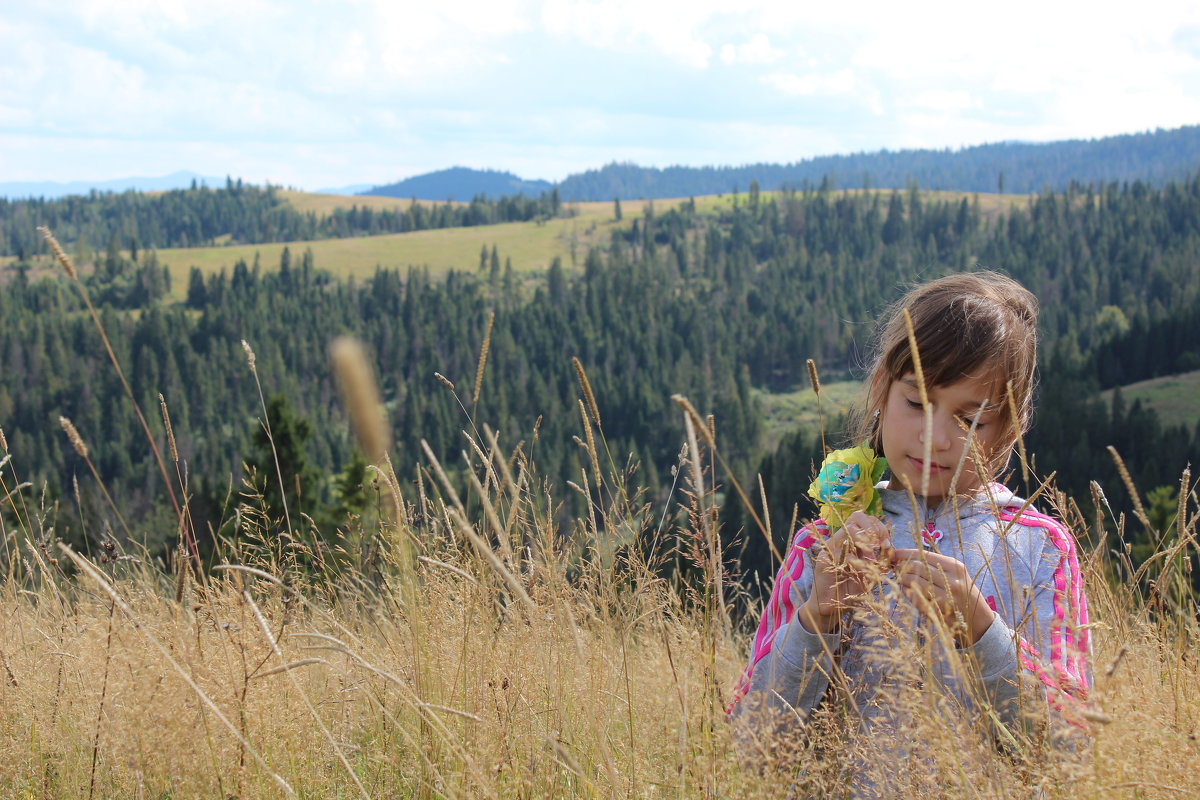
468,668
466,645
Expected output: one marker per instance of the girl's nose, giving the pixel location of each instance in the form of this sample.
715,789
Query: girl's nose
941,439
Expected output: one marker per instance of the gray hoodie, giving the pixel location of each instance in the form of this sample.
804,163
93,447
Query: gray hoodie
1024,564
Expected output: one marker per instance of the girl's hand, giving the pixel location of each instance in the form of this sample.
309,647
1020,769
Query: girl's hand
845,568
941,587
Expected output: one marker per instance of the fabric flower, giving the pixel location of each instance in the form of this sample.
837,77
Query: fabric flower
846,483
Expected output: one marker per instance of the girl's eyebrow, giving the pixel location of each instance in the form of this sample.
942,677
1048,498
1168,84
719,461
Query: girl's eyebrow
973,405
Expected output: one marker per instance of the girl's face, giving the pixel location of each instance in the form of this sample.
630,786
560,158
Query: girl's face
902,430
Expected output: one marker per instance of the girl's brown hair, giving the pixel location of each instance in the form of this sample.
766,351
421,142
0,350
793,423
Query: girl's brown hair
966,325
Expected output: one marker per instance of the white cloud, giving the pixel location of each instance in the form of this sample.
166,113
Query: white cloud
328,93
757,50
946,100
809,84
15,117
666,27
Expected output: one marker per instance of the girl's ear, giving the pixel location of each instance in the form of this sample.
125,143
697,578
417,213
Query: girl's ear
877,391
876,400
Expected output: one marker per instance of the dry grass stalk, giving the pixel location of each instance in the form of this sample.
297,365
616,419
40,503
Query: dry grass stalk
927,408
73,436
304,662
1139,510
360,393
490,515
692,417
815,380
82,449
762,495
1014,415
251,360
65,260
586,386
591,445
483,355
112,357
166,418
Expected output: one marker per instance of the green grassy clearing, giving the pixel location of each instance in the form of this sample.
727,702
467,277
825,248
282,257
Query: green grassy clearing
788,411
325,204
1176,398
531,245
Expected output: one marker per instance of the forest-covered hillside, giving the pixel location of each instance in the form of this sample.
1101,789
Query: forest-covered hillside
709,306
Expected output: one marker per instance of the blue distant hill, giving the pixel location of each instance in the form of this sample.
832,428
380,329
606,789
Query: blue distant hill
1153,157
52,189
461,183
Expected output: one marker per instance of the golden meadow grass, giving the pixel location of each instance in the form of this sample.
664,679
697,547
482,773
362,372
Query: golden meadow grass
466,645
429,676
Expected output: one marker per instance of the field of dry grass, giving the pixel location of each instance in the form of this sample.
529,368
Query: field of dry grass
465,645
476,653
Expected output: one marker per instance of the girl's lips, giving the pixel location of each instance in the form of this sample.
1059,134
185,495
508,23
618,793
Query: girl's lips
919,466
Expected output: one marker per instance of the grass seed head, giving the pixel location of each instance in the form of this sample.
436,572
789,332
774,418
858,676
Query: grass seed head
162,404
813,378
586,385
59,253
360,393
250,359
74,437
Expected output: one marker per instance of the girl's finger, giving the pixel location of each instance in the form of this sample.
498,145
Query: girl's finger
925,557
926,596
928,572
872,527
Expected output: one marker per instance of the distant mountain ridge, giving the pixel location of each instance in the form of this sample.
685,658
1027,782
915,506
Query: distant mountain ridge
51,190
1154,157
461,183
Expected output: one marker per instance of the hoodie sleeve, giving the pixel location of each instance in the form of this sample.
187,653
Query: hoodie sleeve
789,666
1047,656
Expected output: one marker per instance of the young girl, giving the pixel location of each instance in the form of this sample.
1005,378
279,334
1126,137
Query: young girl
957,567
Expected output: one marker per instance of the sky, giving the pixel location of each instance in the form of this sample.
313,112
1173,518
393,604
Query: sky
327,93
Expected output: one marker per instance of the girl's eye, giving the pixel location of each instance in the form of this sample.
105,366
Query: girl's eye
913,403
967,421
